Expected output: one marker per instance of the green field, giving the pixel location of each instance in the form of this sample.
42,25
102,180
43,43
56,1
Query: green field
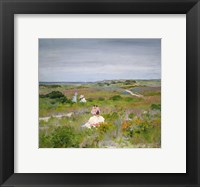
130,121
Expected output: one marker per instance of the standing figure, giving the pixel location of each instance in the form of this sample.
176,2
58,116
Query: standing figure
74,98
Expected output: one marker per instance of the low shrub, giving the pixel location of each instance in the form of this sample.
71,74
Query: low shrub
131,115
90,99
105,127
63,100
128,99
111,116
100,84
116,98
57,96
127,82
101,99
156,107
152,93
65,136
44,140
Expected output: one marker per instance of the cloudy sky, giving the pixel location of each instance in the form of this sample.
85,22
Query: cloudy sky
86,60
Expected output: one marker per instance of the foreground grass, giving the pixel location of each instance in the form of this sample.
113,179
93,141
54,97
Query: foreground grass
143,131
129,121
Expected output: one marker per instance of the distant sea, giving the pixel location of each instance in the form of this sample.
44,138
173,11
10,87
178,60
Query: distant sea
71,83
63,83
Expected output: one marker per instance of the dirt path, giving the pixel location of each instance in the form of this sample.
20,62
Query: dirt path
71,113
137,95
56,116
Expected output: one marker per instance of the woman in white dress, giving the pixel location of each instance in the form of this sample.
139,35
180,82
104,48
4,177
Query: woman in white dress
74,98
94,120
82,99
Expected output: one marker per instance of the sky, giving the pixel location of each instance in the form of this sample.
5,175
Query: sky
90,60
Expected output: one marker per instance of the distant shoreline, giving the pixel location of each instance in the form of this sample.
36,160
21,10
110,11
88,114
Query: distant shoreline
64,82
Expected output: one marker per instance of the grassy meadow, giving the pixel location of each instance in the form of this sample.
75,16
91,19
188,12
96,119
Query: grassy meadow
131,121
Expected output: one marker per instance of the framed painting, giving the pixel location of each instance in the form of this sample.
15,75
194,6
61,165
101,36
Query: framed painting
94,99
99,93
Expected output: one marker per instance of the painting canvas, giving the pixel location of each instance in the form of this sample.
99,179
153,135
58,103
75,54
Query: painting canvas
99,93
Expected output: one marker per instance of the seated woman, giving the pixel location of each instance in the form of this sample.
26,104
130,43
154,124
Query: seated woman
94,120
95,108
82,99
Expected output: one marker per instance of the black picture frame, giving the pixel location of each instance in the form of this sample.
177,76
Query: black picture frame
8,8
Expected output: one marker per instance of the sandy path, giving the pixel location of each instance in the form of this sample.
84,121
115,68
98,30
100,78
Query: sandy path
56,116
137,95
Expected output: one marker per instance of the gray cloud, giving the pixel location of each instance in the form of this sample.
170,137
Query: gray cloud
98,59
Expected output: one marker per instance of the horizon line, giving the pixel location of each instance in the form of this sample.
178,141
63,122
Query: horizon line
97,80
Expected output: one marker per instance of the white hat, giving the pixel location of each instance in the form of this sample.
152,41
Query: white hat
81,96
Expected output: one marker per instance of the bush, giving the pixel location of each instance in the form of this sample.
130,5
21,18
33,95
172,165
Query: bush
156,107
63,100
65,137
101,99
42,96
150,93
127,82
131,115
150,137
58,96
105,127
128,99
100,84
90,99
116,98
44,140
55,94
113,82
111,116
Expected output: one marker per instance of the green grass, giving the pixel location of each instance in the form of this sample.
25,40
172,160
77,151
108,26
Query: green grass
129,121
